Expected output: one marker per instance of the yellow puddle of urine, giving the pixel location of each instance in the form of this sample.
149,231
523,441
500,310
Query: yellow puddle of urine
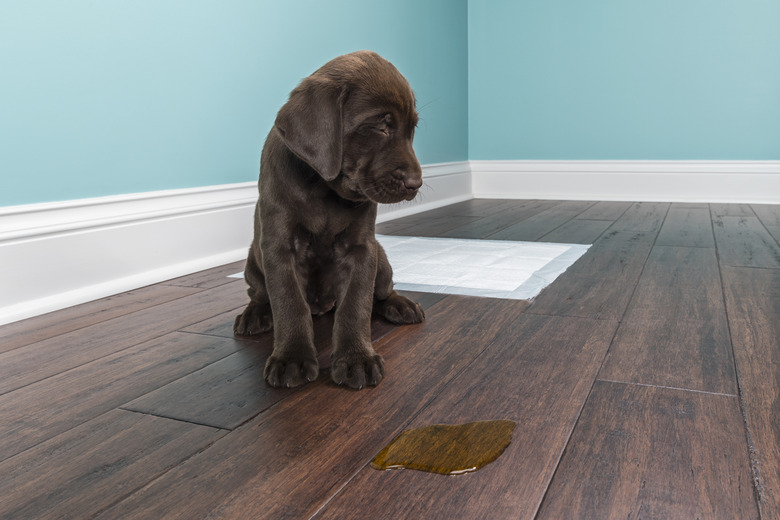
447,449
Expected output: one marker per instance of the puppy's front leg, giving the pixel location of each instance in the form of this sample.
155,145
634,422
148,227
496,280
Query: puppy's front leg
354,362
293,361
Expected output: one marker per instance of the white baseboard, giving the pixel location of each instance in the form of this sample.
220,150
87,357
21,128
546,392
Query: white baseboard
56,255
658,181
61,254
444,184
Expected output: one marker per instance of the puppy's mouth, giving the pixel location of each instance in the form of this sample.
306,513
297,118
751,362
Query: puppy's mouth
390,189
348,189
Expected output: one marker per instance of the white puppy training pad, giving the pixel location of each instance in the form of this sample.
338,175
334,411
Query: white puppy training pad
490,268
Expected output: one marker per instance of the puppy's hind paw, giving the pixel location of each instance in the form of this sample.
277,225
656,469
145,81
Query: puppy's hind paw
255,320
399,310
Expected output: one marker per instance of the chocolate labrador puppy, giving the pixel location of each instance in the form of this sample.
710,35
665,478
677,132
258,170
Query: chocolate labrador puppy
341,144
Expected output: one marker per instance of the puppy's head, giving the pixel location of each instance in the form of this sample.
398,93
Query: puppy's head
353,122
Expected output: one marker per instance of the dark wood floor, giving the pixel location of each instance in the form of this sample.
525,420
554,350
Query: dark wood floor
645,383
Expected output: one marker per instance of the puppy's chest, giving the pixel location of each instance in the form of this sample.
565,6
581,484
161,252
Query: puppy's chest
328,230
320,263
321,248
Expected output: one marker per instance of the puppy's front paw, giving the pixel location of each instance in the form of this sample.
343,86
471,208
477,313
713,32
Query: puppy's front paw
255,319
288,370
400,310
357,369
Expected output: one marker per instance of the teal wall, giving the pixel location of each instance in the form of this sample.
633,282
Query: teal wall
112,96
624,79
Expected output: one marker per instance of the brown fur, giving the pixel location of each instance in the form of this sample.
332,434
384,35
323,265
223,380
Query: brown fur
341,144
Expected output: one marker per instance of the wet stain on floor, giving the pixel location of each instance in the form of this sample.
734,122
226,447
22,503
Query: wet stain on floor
447,449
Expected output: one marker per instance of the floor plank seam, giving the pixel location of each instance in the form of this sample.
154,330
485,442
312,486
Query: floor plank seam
185,286
601,235
565,315
641,272
665,387
574,426
514,223
686,246
594,219
751,267
754,267
753,460
615,222
765,226
541,238
196,423
208,335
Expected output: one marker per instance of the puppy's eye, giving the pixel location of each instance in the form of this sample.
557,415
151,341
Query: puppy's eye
374,128
385,125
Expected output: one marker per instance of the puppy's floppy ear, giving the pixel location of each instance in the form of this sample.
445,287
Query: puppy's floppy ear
310,125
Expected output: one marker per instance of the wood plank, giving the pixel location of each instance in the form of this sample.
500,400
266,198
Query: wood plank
61,322
577,231
47,408
690,205
86,469
731,210
649,452
769,215
753,304
687,227
642,217
434,227
601,282
429,222
688,354
286,462
393,227
222,325
678,283
605,211
524,376
474,208
37,361
509,216
744,242
542,223
209,278
675,331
